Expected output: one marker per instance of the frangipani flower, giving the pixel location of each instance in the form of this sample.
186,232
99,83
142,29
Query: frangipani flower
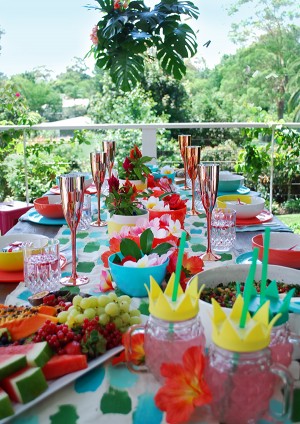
147,261
185,387
155,204
105,281
167,170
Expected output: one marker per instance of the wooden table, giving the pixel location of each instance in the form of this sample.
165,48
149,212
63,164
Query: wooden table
243,244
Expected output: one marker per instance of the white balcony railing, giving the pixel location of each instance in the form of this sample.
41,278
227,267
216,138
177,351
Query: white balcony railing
149,135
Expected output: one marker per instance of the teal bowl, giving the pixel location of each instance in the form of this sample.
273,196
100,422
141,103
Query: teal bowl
157,175
132,280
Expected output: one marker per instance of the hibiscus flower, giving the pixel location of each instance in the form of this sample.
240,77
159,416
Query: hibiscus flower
184,388
134,349
191,265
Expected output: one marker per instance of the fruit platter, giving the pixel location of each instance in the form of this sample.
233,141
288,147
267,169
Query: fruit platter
54,340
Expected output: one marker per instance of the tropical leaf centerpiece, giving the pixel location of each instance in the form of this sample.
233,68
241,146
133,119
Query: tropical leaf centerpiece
129,31
134,166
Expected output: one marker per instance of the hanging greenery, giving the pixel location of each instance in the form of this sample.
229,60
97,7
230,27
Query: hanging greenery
129,32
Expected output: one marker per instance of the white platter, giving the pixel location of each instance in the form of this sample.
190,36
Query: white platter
59,383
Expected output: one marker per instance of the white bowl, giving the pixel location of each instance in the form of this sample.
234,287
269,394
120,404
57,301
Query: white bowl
245,206
228,273
230,182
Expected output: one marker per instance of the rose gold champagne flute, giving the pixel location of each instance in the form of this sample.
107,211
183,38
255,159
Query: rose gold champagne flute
208,174
184,141
98,166
192,156
109,147
72,196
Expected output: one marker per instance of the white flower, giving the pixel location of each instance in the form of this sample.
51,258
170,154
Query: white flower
175,228
166,170
155,204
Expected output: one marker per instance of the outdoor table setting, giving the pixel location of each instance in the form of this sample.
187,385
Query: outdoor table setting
118,388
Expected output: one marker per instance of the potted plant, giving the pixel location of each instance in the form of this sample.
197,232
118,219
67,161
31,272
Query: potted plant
132,267
123,205
134,168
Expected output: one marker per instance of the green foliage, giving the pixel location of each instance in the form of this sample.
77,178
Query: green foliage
225,154
127,30
292,206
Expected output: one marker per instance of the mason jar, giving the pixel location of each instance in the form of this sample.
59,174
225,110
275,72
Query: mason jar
243,383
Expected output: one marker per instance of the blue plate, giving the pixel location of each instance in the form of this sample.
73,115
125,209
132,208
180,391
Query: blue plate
245,258
33,216
241,190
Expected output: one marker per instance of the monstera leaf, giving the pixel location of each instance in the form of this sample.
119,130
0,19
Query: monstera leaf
126,32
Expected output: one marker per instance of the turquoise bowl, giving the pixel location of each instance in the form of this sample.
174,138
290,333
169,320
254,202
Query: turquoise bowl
132,280
157,175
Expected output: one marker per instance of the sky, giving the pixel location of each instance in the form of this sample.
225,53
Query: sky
52,33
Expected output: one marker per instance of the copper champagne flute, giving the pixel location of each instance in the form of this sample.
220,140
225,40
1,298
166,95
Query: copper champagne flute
208,174
184,141
109,147
192,156
72,197
98,167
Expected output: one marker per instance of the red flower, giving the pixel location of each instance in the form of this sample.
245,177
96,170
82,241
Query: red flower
128,165
134,349
135,153
113,184
105,256
191,265
128,258
185,387
18,94
174,201
117,4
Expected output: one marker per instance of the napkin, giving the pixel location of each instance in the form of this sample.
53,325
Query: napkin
275,225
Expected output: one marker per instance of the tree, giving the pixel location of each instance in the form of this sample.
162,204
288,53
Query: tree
271,23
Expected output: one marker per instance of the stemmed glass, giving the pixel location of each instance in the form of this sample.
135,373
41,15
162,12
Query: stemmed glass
184,141
109,147
98,167
72,197
192,156
208,174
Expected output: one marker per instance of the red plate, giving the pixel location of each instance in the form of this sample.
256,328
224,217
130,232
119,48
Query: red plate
11,277
264,216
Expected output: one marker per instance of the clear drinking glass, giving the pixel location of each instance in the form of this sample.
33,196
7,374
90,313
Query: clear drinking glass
42,265
223,229
86,215
166,341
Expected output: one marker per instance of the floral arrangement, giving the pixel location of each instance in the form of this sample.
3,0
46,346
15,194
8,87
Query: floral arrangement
191,265
133,167
142,255
122,200
159,186
164,229
129,31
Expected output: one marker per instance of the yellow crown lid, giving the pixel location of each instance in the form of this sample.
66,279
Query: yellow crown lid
185,307
228,335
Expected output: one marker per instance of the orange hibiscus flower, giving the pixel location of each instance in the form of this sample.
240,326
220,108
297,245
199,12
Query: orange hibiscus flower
134,349
191,265
185,387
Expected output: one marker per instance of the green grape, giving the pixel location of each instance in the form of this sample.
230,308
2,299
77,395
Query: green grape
85,303
118,322
73,312
70,321
134,313
135,320
124,306
62,317
79,318
112,309
103,300
125,298
125,318
77,299
104,319
123,329
112,296
89,313
93,302
100,310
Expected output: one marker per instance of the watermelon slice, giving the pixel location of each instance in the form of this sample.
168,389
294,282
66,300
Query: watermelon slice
11,363
6,408
25,385
60,365
37,354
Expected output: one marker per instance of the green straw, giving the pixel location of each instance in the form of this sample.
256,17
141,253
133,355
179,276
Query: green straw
264,271
178,266
248,287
